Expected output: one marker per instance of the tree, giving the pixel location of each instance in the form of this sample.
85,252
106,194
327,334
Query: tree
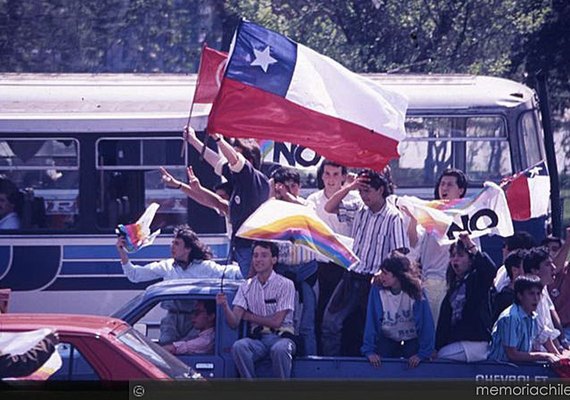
457,36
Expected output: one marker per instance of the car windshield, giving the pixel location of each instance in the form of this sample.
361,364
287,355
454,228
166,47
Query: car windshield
162,359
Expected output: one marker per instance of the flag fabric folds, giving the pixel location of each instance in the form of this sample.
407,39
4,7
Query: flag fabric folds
528,192
274,88
21,342
277,221
210,73
138,235
482,214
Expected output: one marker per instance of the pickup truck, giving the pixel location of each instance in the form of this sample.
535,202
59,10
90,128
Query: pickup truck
144,313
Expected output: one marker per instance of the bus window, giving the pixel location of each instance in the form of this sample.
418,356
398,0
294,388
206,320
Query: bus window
477,145
532,148
487,156
129,180
47,173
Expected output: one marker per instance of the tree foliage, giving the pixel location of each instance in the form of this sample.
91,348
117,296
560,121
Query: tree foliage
457,36
510,38
106,35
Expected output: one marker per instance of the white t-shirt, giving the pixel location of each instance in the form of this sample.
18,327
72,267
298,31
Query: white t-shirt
398,321
546,329
433,257
341,222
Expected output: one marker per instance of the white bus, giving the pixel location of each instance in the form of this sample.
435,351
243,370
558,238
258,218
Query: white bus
85,151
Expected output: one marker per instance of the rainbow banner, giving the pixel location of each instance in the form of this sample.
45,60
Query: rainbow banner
279,221
138,235
484,213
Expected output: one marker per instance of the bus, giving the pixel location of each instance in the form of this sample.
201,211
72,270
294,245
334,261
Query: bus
84,150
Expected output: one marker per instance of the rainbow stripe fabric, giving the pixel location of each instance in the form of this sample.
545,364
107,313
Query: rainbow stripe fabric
138,235
437,216
133,234
277,220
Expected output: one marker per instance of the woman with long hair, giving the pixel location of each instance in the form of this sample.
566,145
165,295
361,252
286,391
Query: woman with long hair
398,319
464,325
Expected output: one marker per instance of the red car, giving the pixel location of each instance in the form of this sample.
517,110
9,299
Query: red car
101,348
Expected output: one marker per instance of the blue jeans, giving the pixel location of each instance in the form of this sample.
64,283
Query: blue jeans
350,296
390,348
299,274
243,255
247,351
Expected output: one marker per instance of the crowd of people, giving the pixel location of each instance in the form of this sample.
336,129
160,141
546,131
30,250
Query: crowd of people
408,296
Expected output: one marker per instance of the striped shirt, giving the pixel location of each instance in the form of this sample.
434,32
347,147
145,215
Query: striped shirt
277,294
376,235
514,328
292,254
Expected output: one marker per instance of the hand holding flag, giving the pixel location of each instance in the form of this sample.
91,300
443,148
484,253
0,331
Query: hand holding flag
481,214
138,235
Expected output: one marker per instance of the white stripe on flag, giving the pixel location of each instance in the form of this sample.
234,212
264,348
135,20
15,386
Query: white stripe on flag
539,192
335,91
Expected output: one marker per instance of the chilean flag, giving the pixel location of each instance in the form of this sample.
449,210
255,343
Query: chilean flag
210,73
528,192
274,88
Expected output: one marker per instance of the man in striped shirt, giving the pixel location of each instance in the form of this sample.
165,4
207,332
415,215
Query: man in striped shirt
267,302
377,231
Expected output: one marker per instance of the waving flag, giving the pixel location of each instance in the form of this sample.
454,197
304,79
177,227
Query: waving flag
277,220
528,192
15,343
138,235
482,214
212,63
274,88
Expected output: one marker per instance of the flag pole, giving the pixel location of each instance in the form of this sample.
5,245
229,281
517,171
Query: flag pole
184,144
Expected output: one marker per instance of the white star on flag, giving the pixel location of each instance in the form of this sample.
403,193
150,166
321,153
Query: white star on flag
534,171
263,59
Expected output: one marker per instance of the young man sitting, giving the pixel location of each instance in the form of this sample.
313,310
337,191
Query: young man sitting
516,328
204,321
267,301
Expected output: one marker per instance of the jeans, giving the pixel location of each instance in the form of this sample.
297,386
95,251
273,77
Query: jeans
349,296
247,351
299,274
392,348
243,256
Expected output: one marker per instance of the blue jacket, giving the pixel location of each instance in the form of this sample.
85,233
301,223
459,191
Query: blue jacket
373,329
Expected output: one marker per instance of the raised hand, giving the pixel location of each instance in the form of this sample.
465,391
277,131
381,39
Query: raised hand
189,134
168,179
193,180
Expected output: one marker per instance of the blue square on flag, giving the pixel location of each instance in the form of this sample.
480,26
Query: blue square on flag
263,59
537,170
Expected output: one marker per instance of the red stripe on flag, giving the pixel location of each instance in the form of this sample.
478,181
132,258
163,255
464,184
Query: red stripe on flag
518,197
210,75
247,112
